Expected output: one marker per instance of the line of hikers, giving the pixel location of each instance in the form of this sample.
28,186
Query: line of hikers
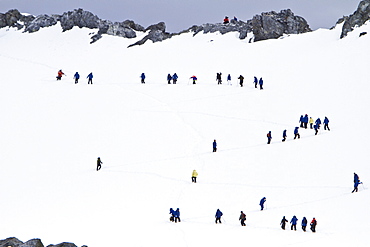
175,217
304,121
294,221
170,78
76,77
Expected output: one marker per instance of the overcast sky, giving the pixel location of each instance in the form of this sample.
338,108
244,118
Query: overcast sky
182,14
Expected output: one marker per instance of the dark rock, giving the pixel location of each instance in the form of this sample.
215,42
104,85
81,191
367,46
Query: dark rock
32,243
358,18
79,18
64,244
362,34
133,25
157,33
272,25
13,242
39,22
119,29
95,38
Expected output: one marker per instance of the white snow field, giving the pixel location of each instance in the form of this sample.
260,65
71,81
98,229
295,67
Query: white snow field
151,137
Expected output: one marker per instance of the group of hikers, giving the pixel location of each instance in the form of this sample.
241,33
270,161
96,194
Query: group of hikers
241,80
304,121
175,217
76,77
294,221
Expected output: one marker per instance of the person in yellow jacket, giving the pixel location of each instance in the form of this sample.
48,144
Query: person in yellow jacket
194,176
310,122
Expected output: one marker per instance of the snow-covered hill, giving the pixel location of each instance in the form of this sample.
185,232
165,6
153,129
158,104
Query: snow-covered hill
152,136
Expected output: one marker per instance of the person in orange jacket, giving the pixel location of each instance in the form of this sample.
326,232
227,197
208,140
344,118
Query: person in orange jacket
60,74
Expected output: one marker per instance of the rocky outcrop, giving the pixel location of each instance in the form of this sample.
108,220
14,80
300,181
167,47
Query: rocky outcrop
78,18
14,242
13,18
156,33
272,25
32,243
358,18
40,22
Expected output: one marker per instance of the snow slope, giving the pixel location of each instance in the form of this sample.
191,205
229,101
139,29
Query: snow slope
151,137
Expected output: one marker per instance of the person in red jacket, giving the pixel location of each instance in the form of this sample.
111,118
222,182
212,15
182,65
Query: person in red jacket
60,74
313,225
226,20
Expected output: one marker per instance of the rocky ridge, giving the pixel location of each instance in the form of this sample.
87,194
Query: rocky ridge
265,26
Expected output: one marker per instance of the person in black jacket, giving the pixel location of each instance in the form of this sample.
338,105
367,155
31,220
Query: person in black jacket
241,80
283,222
98,164
242,218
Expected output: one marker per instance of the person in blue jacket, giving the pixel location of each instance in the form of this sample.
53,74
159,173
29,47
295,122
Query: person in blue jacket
90,76
214,144
228,79
218,216
169,78
261,83
356,181
296,133
316,128
76,77
172,213
269,137
318,122
284,136
293,221
174,78
255,82
355,177
194,79
304,224
142,76
262,202
326,123
301,121
177,215
305,121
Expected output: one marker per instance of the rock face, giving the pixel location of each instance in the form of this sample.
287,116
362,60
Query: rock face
272,25
269,25
358,18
